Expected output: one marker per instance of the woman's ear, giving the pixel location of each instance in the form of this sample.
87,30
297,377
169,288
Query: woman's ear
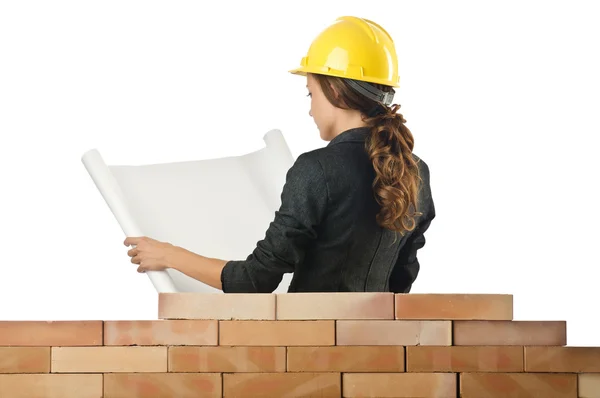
336,95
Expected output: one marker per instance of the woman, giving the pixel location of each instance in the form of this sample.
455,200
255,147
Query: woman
353,214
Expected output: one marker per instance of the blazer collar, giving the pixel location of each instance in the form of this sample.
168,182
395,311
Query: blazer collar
352,135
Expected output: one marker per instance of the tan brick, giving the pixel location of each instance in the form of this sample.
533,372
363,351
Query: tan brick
335,306
518,385
151,385
538,333
219,306
51,385
161,332
464,359
399,385
277,333
394,333
108,359
589,385
454,306
24,359
50,333
562,359
346,359
279,385
227,359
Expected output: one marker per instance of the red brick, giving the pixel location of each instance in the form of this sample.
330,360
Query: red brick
24,359
399,385
589,385
219,306
279,385
393,332
108,359
454,306
518,385
305,306
161,332
151,385
464,359
346,359
562,359
520,333
277,333
51,385
50,333
227,359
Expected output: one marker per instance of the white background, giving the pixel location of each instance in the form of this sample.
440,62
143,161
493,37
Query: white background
502,98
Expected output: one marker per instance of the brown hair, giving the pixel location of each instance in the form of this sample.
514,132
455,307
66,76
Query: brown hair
389,146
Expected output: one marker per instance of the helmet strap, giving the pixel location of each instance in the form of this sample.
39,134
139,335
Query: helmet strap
372,92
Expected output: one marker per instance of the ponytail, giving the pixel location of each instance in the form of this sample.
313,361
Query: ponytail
397,180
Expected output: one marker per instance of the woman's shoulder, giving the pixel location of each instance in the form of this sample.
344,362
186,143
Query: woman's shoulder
330,162
421,163
306,169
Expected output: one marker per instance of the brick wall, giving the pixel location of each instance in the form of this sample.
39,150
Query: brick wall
301,345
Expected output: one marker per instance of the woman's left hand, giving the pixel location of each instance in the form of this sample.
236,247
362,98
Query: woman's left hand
150,254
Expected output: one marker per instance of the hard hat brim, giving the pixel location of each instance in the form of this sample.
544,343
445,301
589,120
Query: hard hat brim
304,70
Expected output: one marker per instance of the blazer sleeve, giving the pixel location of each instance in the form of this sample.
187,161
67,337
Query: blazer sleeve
303,206
407,265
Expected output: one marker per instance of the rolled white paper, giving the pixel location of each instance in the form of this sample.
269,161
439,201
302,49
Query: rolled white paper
218,208
112,194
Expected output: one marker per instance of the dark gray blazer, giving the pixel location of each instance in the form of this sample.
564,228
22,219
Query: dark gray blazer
325,231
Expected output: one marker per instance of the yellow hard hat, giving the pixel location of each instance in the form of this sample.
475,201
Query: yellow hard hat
353,48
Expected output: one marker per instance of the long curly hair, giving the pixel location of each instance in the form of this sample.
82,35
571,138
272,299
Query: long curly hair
389,146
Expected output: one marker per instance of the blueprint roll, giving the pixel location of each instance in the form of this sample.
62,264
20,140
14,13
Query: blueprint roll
112,194
216,207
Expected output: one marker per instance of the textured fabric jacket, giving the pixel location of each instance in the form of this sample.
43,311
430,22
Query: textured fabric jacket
325,231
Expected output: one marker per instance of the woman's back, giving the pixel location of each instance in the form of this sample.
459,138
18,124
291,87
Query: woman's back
352,252
326,231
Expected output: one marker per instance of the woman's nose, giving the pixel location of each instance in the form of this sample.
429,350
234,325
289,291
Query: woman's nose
309,113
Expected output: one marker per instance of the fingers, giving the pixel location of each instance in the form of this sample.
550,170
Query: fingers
133,240
136,253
